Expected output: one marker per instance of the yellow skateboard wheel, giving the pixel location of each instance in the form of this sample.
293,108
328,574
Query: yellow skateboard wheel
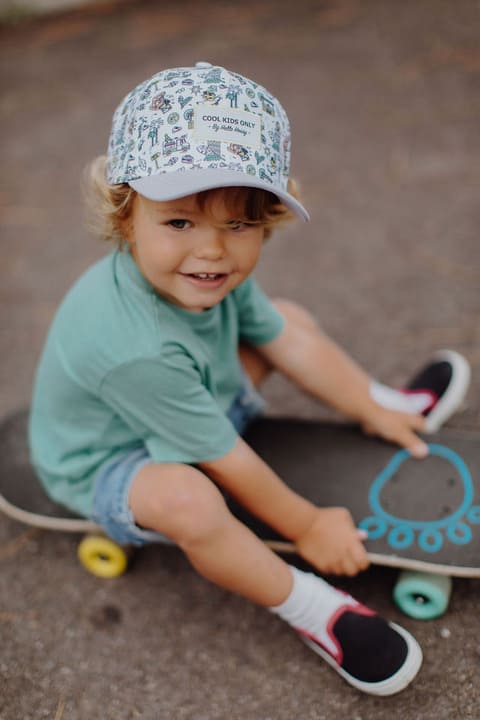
422,596
102,557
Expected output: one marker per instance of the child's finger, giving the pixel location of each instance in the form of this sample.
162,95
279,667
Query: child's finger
406,435
416,446
356,561
417,422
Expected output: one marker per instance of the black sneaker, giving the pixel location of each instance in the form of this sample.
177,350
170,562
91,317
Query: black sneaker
440,387
372,655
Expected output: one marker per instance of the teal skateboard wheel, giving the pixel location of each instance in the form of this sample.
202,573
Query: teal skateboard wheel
422,596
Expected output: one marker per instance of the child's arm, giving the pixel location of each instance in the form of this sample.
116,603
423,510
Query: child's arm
325,537
319,366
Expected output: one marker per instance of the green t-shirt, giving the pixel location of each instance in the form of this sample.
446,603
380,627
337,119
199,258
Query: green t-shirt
123,367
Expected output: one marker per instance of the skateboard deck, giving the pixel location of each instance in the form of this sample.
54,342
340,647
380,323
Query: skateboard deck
419,514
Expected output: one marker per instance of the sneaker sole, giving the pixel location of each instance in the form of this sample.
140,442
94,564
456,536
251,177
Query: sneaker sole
456,392
392,685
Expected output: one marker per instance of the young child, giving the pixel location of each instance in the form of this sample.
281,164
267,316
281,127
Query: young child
148,376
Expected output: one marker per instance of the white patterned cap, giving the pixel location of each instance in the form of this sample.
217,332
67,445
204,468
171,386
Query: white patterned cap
191,129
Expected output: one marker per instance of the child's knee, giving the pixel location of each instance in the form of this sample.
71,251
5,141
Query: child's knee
295,313
182,503
199,509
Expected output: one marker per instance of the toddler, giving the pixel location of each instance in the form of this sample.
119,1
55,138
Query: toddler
150,371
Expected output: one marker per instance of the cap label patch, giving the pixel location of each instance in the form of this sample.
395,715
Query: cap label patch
227,125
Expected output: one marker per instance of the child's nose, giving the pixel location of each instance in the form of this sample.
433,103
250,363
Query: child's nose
211,245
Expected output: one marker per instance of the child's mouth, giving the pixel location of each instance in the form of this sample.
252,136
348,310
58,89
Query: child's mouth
210,280
206,276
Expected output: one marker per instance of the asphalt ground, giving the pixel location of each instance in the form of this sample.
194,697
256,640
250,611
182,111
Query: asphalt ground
384,101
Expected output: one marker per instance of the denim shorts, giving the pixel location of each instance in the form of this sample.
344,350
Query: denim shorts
112,486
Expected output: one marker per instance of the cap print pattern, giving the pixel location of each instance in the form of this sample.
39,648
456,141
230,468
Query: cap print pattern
200,118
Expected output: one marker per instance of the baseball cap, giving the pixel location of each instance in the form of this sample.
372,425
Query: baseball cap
191,129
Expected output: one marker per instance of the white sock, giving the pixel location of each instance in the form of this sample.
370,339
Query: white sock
310,606
392,399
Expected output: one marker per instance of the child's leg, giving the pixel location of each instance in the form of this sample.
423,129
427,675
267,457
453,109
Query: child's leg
180,502
437,391
253,363
183,504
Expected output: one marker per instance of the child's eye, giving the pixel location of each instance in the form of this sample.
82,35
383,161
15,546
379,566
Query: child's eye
179,224
238,225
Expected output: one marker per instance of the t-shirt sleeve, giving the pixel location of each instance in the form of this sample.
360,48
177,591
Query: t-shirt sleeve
164,402
259,320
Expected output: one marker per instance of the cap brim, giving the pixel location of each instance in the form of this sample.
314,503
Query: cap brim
172,185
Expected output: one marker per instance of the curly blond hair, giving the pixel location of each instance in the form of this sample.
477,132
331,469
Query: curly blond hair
109,206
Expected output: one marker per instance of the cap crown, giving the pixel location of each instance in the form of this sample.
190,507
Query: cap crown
204,117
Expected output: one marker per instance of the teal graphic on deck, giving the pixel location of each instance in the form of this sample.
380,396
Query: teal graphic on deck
402,532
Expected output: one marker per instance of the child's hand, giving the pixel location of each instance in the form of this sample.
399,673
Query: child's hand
398,427
333,544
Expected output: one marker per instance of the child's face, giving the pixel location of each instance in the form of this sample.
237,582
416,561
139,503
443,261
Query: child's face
191,258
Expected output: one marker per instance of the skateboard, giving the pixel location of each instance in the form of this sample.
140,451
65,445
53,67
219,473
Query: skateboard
421,516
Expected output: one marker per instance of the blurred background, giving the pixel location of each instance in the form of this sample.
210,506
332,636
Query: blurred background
384,101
